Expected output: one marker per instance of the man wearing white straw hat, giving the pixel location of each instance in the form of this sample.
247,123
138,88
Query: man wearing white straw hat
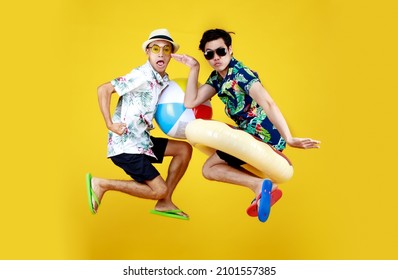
130,145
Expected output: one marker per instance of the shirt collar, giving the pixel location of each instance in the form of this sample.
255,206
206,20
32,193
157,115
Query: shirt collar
231,65
233,62
162,81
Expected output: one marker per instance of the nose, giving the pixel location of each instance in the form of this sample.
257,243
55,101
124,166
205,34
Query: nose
216,56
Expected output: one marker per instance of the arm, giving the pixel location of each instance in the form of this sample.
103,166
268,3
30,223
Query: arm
262,97
105,92
194,96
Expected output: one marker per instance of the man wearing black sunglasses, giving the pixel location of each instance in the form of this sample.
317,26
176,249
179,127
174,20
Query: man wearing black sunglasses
249,104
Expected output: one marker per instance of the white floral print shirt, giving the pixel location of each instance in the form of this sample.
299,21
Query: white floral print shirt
139,92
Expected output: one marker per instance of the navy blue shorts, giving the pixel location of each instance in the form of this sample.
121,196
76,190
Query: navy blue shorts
139,166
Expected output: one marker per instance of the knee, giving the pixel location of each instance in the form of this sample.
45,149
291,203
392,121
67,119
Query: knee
185,151
160,193
206,172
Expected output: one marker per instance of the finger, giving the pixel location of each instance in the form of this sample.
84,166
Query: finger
311,141
177,57
121,129
316,141
311,146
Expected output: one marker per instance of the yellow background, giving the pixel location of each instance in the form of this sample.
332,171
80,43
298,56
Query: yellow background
331,66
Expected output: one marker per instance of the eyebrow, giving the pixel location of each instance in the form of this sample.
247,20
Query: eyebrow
208,49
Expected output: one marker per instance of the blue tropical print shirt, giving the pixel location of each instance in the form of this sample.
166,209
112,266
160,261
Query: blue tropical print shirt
233,91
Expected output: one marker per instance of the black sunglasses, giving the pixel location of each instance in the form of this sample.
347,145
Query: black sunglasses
209,54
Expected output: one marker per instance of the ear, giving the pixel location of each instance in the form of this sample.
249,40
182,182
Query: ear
230,50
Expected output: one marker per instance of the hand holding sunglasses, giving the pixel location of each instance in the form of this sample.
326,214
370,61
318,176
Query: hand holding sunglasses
209,54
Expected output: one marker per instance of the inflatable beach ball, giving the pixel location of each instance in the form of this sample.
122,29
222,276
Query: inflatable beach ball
171,114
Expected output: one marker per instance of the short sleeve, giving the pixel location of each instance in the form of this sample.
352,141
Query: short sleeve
246,78
212,80
130,82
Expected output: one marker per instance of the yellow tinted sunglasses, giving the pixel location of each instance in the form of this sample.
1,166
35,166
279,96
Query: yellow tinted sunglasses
156,49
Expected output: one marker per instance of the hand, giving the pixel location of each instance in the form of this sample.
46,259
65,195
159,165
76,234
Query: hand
185,59
304,143
118,128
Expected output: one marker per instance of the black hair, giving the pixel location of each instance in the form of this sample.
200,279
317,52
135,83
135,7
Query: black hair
214,34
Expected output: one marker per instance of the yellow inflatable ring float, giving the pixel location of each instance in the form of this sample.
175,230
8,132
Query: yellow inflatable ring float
262,159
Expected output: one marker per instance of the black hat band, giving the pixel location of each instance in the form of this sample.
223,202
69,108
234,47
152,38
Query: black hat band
161,37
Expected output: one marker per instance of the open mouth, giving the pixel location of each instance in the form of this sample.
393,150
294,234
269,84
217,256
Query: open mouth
160,63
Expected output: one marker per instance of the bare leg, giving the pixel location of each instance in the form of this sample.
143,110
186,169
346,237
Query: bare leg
218,170
154,189
181,153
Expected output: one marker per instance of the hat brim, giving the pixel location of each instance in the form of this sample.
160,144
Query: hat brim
147,42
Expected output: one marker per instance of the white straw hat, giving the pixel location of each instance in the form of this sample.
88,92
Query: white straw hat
160,34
